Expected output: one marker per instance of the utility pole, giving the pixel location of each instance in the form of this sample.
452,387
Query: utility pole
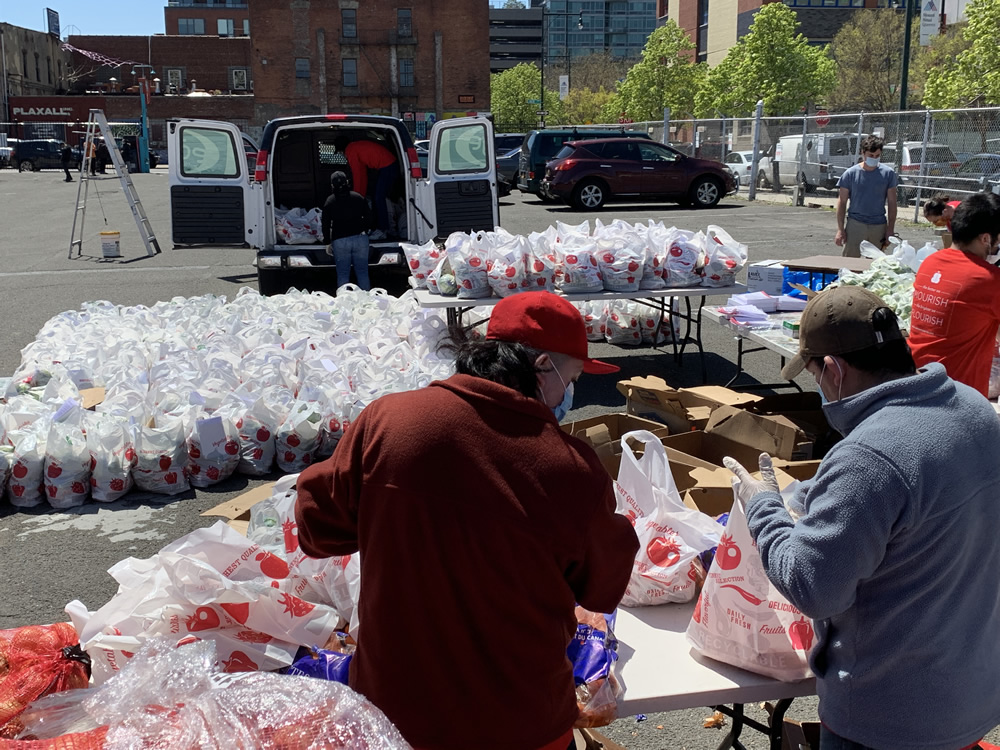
905,73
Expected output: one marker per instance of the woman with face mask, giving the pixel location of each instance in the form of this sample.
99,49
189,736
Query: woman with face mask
480,524
866,189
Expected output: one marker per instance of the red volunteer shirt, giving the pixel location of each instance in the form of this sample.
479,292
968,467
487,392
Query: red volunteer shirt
956,312
365,155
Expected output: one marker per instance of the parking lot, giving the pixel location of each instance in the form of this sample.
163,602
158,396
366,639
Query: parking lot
51,557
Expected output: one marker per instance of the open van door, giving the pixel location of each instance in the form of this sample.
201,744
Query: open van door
462,176
209,184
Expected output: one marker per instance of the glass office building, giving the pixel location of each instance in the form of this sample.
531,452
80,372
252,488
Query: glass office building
583,27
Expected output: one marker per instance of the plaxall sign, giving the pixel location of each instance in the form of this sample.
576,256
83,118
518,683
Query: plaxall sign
54,108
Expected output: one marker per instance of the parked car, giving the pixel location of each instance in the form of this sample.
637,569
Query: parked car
540,146
34,155
978,172
507,164
590,173
940,162
213,201
5,152
504,142
741,163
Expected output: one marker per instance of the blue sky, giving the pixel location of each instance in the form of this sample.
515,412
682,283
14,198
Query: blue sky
94,16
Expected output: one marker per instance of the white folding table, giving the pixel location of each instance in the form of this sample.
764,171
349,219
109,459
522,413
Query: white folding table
659,299
659,671
769,339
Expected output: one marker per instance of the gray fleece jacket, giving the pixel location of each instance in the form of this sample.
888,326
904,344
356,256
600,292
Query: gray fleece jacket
897,561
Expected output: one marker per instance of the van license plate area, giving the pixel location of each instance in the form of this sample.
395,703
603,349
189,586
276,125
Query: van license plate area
389,259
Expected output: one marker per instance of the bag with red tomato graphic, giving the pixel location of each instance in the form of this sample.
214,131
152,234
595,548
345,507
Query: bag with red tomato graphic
422,259
595,317
621,259
578,269
671,535
685,258
726,258
506,270
25,488
468,262
621,325
111,458
256,429
161,456
742,619
213,447
67,464
297,438
540,263
669,324
654,271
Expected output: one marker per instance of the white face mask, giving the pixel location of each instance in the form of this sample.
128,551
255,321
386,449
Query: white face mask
871,161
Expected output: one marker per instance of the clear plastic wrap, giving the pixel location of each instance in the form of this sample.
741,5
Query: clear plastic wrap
593,652
175,696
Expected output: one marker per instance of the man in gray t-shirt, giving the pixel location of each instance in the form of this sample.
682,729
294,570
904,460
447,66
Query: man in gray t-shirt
868,186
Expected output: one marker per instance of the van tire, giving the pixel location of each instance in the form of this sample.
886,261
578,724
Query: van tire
706,192
590,195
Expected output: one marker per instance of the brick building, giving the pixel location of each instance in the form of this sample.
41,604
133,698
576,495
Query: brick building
213,64
418,60
211,17
31,64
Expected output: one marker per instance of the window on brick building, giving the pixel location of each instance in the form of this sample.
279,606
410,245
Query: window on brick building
190,26
226,27
175,80
702,41
48,69
59,70
301,67
38,69
406,72
404,22
246,27
239,78
349,23
350,65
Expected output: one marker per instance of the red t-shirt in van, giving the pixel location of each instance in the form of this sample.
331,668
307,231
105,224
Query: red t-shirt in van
956,312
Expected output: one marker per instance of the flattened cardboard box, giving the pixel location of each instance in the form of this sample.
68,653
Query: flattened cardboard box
237,510
681,409
772,434
604,434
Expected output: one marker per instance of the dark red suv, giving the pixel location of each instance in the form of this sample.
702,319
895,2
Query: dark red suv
590,173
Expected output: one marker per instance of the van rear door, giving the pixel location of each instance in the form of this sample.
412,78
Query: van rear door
461,187
209,180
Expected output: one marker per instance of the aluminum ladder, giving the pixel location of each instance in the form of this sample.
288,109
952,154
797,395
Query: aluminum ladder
99,123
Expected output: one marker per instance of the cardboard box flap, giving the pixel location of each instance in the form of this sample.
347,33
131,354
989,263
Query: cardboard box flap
773,434
650,396
91,397
717,395
238,509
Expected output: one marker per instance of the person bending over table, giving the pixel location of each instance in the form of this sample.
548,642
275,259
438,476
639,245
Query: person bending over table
940,209
956,297
894,556
480,524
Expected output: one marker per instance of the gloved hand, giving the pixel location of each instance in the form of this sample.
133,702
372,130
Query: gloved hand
745,486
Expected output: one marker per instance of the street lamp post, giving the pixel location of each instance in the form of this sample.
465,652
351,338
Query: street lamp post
545,36
142,158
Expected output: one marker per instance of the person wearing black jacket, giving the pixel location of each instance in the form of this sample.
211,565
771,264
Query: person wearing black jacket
65,157
346,220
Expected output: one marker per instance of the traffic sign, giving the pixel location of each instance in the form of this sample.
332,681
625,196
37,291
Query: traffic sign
542,112
822,118
534,101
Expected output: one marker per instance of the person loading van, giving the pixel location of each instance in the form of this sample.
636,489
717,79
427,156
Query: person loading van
365,155
868,186
346,218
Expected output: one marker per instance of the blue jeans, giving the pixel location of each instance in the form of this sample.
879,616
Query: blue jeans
352,251
386,178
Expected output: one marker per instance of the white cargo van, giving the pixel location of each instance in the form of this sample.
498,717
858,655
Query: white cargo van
828,155
214,200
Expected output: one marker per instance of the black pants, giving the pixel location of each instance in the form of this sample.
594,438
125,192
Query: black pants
69,178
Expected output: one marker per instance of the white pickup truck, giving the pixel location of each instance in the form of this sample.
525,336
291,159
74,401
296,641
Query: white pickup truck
214,200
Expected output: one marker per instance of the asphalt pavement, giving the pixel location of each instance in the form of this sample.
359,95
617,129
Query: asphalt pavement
50,558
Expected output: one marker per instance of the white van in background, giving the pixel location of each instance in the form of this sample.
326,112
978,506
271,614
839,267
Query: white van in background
828,155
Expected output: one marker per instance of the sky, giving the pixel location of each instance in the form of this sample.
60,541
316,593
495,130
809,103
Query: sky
114,17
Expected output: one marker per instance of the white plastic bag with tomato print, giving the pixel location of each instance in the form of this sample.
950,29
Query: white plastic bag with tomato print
742,619
422,259
213,446
580,273
621,259
467,255
111,457
671,535
67,461
726,258
297,439
161,456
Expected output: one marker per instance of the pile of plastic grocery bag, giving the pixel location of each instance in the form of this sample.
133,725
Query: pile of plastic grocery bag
174,695
297,226
198,388
619,257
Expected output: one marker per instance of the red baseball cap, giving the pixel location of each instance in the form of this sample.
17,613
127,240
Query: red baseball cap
545,321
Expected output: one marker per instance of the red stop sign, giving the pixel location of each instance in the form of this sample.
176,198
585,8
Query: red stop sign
822,118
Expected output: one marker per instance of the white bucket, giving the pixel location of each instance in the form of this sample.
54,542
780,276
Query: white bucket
111,244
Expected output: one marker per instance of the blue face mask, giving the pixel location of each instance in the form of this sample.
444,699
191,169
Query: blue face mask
567,402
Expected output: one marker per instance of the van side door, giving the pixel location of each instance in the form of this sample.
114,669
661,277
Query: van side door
461,187
210,202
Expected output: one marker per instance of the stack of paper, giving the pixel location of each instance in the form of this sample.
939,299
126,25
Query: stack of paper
744,314
760,300
791,304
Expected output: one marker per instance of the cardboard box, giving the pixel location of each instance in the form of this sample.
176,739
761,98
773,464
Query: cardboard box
237,510
91,397
711,490
765,276
681,409
604,434
711,448
773,434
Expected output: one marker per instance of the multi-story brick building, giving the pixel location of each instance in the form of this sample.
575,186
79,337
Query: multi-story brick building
32,63
210,17
417,60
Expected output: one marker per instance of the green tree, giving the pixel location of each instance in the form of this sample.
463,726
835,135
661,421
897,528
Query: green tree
942,53
666,76
868,51
590,71
514,94
972,77
773,62
585,107
514,5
